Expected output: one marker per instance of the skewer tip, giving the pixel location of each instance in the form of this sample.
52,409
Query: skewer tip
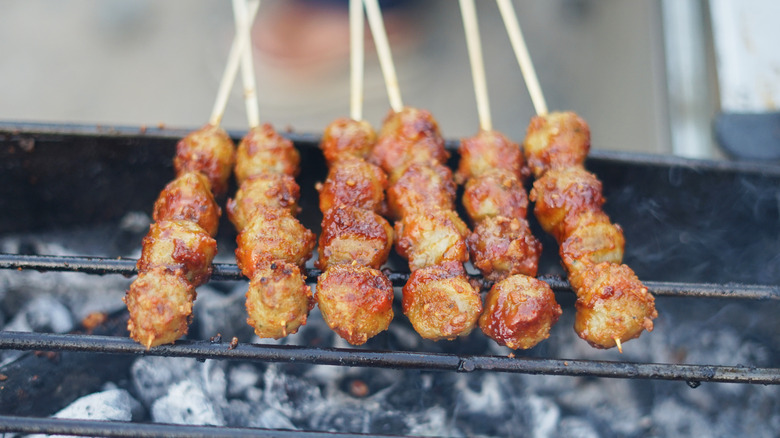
619,345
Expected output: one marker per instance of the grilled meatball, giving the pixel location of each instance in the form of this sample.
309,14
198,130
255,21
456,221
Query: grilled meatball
562,196
556,140
352,234
189,198
489,151
440,302
500,247
278,300
356,183
495,193
273,234
267,190
519,312
160,306
179,247
612,304
408,136
430,238
422,187
209,151
356,301
263,150
594,240
347,138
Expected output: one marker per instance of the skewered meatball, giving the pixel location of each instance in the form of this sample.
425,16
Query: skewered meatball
355,183
189,198
356,301
179,246
408,136
209,151
495,193
422,187
268,190
347,138
500,247
562,196
431,238
352,234
612,304
489,151
556,140
160,306
278,300
594,241
440,302
275,234
519,312
263,150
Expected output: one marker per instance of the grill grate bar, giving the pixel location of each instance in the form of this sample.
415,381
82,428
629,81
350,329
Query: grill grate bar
226,271
61,426
693,374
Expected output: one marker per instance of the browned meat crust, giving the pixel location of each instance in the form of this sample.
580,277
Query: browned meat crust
352,234
346,138
356,183
422,187
500,247
209,151
519,312
489,151
495,193
440,302
356,301
189,198
267,190
278,300
556,140
263,150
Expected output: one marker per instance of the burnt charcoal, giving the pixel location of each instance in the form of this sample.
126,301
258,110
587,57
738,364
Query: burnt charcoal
389,422
351,418
295,397
434,421
574,427
243,379
673,419
221,313
42,314
113,404
186,403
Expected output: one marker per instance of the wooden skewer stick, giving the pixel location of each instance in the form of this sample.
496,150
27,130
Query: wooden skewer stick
356,50
229,76
244,26
523,58
619,344
471,27
383,51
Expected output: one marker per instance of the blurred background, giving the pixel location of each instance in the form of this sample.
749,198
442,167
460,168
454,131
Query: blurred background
648,76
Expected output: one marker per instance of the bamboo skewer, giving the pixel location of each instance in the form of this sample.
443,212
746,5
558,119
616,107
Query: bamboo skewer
383,51
471,27
231,69
356,58
523,58
244,26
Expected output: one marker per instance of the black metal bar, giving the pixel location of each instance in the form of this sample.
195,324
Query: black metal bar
394,359
61,426
226,271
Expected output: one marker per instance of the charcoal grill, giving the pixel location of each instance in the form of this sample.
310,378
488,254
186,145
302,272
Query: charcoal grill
685,221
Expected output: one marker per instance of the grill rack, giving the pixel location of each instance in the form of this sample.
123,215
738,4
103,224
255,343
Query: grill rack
693,375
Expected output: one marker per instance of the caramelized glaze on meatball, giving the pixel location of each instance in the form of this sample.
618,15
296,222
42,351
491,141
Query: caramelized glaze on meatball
489,151
189,198
209,151
263,150
593,241
440,302
346,138
612,304
430,238
556,140
500,247
160,306
275,234
495,193
278,300
355,183
352,234
356,301
519,312
562,196
179,247
268,190
408,136
420,188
